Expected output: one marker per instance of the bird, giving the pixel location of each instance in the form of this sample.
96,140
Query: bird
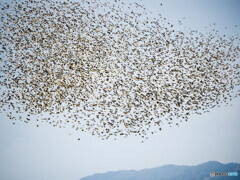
95,68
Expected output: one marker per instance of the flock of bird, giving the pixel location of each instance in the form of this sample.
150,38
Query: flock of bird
108,68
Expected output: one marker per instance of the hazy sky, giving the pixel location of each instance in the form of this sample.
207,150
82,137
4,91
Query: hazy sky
48,153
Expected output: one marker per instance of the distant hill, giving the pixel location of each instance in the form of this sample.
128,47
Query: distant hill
172,172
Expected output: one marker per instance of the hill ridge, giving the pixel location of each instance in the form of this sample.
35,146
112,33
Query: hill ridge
171,172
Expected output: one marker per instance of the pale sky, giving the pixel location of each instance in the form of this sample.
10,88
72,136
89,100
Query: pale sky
48,153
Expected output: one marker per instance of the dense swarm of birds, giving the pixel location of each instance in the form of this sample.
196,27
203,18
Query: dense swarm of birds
109,68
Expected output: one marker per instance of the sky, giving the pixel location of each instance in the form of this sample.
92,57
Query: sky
48,153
